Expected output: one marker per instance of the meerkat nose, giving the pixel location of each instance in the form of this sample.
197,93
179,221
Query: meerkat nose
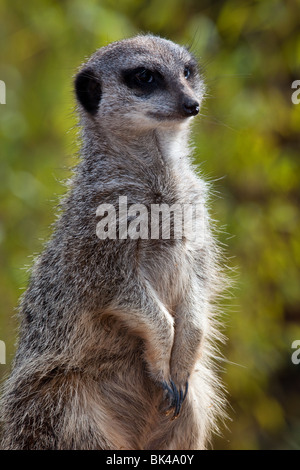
190,107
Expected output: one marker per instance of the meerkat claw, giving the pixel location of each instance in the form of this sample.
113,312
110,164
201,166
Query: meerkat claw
175,397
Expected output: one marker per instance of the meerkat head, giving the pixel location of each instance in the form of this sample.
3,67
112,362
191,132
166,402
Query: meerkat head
142,83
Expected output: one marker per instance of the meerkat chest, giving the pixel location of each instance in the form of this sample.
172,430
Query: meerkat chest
177,231
166,266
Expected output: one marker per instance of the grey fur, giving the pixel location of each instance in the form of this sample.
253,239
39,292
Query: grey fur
112,330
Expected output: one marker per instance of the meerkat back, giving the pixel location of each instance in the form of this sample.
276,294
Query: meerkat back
117,323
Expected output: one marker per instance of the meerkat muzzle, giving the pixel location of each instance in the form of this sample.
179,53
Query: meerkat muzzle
190,107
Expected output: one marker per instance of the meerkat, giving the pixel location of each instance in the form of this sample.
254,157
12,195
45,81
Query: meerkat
116,342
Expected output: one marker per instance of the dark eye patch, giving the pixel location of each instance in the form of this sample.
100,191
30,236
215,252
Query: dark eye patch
143,79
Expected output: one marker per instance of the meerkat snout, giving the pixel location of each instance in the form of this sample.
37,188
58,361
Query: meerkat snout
190,107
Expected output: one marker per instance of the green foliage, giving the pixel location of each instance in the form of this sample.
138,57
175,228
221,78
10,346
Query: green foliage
247,143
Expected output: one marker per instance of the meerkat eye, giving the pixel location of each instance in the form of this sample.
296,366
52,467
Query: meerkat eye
143,80
144,76
187,72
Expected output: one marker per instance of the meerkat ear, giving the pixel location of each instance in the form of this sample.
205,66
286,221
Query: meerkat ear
88,90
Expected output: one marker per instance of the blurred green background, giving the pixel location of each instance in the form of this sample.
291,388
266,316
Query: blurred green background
247,143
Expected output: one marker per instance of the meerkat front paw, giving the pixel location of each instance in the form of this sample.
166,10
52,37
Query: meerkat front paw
175,396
